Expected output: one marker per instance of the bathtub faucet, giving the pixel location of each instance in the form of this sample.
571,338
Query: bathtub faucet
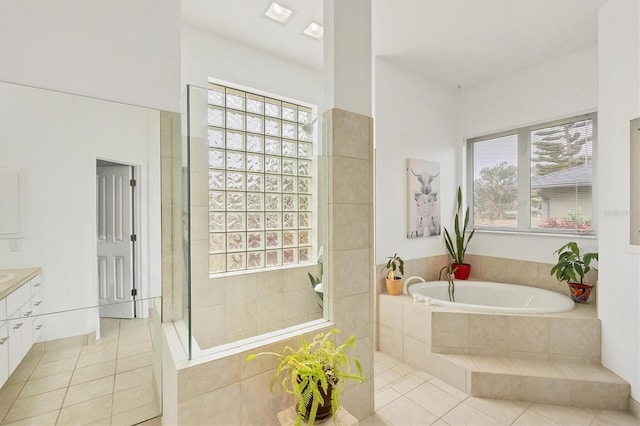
405,284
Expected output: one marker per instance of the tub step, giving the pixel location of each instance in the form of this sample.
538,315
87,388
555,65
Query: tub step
551,382
573,335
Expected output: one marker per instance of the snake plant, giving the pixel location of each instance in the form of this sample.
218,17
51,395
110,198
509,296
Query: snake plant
457,250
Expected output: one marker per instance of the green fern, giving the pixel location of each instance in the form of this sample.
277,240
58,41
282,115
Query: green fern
303,372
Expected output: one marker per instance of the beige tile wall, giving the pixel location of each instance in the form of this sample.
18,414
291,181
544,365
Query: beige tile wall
487,268
351,230
223,388
171,165
230,308
409,330
226,309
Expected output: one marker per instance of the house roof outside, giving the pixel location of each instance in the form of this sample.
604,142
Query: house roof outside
574,176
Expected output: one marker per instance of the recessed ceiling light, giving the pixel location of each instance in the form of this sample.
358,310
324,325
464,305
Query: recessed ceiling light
278,12
314,30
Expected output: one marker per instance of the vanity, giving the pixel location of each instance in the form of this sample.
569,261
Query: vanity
20,319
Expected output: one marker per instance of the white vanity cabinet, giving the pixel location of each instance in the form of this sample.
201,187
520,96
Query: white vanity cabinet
20,331
21,325
4,343
36,307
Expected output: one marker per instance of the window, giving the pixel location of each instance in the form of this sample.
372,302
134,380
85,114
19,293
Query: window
535,178
261,183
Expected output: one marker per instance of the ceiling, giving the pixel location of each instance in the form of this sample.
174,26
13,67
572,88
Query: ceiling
458,43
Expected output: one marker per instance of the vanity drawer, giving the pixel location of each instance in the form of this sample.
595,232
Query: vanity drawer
4,353
3,310
17,299
36,305
37,324
36,284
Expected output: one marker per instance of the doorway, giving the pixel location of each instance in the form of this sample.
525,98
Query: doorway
116,204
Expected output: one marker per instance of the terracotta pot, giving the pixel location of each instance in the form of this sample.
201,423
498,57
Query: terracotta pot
580,292
462,270
394,286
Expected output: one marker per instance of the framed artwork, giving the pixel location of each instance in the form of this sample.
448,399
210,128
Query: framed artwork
423,202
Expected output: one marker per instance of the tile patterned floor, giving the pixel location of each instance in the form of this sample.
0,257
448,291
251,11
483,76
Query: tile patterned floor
109,382
405,396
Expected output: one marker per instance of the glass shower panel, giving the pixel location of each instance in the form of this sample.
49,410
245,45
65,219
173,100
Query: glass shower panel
258,209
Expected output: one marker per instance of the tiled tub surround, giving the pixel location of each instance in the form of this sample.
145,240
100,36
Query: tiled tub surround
488,268
549,358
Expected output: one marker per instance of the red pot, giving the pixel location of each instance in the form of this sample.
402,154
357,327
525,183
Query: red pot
580,292
461,270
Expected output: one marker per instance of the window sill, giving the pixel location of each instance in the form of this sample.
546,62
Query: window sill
589,236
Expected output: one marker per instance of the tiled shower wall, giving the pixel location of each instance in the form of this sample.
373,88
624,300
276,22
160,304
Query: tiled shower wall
171,178
487,268
225,389
227,309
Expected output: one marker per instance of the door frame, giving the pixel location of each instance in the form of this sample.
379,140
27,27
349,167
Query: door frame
138,299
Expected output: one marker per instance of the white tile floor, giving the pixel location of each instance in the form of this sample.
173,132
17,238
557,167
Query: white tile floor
405,396
108,382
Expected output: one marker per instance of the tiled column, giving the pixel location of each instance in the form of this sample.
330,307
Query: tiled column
350,149
171,163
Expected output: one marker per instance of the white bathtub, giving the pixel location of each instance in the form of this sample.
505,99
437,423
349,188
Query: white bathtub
487,296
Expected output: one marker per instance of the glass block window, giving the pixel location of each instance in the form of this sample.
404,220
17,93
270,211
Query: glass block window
535,178
260,181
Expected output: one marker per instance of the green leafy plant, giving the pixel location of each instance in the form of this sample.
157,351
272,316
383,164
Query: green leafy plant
448,271
305,371
572,263
457,250
315,280
394,263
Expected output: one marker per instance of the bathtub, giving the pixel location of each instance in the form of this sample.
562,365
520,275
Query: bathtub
484,296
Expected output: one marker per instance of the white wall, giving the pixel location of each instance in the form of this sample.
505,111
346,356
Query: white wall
619,287
57,137
122,50
561,88
206,55
414,118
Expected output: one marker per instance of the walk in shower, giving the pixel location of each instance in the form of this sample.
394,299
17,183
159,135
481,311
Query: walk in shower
250,207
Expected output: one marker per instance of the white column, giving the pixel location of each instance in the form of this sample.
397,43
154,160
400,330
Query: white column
347,55
351,210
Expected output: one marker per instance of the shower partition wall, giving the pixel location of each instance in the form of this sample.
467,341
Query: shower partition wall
254,216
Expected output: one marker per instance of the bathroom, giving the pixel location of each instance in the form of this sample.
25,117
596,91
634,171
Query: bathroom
445,116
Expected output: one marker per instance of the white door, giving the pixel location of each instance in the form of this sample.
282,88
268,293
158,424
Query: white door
115,242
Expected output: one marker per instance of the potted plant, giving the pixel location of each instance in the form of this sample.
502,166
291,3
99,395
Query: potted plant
449,272
316,281
572,266
458,247
394,282
315,373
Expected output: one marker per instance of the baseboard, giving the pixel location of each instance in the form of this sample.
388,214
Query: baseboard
68,342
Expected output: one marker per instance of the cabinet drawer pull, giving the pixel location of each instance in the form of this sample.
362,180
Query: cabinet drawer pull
39,327
4,339
17,326
28,314
37,303
37,284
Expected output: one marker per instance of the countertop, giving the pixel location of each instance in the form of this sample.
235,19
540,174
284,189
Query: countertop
21,277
